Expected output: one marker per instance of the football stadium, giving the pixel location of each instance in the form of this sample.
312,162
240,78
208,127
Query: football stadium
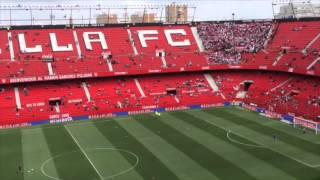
140,91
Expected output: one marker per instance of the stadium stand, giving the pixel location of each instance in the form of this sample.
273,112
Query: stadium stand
226,41
280,92
100,51
287,46
108,67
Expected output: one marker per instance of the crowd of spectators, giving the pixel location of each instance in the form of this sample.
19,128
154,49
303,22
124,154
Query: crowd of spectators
300,96
225,42
283,94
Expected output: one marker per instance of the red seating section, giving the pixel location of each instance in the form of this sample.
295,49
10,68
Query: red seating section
107,96
82,60
34,38
294,37
4,53
91,96
282,93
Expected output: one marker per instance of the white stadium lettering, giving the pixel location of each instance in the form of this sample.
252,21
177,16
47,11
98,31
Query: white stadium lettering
24,48
56,47
145,35
142,38
101,39
169,32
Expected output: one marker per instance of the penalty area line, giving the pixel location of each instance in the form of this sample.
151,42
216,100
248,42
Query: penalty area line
244,144
283,154
84,153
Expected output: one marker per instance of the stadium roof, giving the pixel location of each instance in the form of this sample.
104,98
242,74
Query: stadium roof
207,10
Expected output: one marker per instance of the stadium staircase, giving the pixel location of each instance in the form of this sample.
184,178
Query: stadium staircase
197,39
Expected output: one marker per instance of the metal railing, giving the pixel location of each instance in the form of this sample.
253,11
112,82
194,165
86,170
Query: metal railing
68,14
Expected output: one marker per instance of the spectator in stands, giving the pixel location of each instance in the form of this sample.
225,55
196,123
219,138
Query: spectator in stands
225,42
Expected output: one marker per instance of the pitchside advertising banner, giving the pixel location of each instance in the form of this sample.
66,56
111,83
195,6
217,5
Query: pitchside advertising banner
261,111
289,119
249,107
63,118
271,114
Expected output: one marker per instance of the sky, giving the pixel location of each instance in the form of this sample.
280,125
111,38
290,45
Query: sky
206,10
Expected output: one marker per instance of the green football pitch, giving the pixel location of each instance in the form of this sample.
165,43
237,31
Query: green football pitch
220,143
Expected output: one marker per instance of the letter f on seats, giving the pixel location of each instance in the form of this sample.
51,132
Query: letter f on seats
142,38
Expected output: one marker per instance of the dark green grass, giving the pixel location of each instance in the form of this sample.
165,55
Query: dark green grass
150,167
299,143
215,164
59,140
74,163
11,156
279,161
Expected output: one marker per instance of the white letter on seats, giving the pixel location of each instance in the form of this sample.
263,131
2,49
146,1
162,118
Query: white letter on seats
56,47
88,41
142,38
23,46
169,32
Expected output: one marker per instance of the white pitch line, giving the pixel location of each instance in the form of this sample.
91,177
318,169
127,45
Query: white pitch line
244,144
72,123
44,164
293,158
85,154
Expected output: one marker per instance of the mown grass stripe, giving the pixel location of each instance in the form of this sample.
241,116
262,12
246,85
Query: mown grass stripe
206,158
72,166
296,132
149,166
109,161
35,152
289,139
184,167
277,160
11,156
280,146
243,159
84,152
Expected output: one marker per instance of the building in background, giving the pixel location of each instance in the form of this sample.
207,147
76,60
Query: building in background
107,19
293,10
143,18
176,13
